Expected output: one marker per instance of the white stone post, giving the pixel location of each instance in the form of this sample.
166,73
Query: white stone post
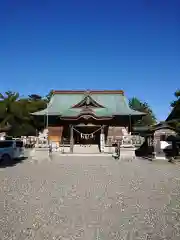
71,138
102,140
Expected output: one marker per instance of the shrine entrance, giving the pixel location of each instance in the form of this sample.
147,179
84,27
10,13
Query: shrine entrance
86,135
87,138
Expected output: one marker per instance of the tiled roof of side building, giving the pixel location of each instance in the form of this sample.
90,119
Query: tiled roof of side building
175,114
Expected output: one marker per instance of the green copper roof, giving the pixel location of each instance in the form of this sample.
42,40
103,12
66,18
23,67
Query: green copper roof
71,112
114,104
153,128
105,112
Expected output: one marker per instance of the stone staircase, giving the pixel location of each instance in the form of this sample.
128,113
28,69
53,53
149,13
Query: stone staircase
86,149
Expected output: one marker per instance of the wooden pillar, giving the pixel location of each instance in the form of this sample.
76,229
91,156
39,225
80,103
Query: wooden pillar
71,138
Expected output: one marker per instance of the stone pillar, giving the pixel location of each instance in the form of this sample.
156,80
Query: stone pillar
130,124
102,139
159,147
71,138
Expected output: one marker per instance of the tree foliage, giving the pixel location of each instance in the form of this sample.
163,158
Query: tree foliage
174,116
49,95
15,113
176,103
34,97
149,118
9,111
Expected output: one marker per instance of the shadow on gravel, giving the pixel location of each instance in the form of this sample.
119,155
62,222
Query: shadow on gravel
12,163
149,158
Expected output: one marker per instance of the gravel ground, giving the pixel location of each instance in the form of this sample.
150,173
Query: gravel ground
90,198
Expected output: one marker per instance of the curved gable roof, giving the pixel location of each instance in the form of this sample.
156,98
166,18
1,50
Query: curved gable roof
114,101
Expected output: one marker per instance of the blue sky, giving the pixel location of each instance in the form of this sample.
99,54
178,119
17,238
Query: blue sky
82,44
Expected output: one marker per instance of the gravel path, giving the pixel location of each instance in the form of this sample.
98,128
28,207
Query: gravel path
90,198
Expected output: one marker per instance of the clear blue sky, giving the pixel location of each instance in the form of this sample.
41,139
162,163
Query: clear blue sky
92,44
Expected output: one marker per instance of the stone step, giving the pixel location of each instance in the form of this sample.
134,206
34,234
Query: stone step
86,148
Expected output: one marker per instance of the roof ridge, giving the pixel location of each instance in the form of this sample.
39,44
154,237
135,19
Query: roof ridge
121,92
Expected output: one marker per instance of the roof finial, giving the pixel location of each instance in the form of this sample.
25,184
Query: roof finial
87,97
87,100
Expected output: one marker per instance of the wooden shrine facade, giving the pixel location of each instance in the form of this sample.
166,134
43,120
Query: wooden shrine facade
88,117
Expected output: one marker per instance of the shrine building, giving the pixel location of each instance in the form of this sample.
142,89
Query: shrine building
86,118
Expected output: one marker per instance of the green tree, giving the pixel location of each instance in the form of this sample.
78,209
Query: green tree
35,97
149,118
15,113
9,107
49,95
177,101
11,113
174,116
36,103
